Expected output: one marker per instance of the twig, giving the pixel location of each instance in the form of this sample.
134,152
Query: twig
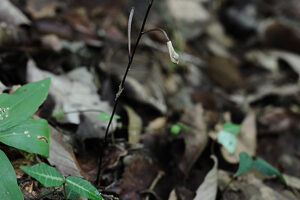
120,90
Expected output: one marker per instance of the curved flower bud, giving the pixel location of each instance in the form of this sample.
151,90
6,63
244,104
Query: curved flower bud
173,55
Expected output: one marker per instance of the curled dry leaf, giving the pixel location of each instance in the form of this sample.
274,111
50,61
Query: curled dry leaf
195,139
208,189
246,140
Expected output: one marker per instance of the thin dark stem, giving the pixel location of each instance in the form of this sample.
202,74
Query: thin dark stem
160,30
120,91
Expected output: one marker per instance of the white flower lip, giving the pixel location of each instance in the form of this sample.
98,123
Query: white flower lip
173,55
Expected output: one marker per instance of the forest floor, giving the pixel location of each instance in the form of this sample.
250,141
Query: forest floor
239,64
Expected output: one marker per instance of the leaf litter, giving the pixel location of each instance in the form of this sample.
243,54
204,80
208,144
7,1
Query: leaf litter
240,64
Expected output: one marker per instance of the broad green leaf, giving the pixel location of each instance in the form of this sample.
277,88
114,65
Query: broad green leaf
175,129
246,163
9,188
30,135
70,194
83,187
58,114
267,169
231,128
228,140
45,174
17,107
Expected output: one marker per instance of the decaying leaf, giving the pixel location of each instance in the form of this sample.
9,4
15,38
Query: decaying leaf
73,93
61,155
195,139
135,126
138,176
251,187
208,189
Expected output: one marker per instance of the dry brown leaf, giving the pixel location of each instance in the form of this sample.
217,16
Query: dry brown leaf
41,8
208,189
135,126
156,124
251,187
246,140
61,155
195,139
138,176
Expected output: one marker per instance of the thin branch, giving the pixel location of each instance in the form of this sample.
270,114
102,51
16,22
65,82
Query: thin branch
121,89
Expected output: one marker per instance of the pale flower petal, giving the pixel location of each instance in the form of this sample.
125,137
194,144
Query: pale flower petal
173,55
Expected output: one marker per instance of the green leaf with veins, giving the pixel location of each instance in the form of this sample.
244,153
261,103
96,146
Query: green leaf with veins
83,187
30,135
20,105
45,174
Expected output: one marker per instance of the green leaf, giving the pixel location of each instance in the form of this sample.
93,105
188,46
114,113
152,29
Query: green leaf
58,114
20,105
83,187
9,188
175,129
228,140
231,128
104,116
268,169
31,136
45,174
246,163
70,194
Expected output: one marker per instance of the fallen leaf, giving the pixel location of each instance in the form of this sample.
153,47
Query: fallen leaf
135,126
61,155
189,21
73,93
41,8
11,15
208,189
138,176
195,139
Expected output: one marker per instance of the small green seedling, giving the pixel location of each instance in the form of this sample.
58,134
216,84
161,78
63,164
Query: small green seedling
227,137
58,114
246,163
18,130
104,116
72,186
176,128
